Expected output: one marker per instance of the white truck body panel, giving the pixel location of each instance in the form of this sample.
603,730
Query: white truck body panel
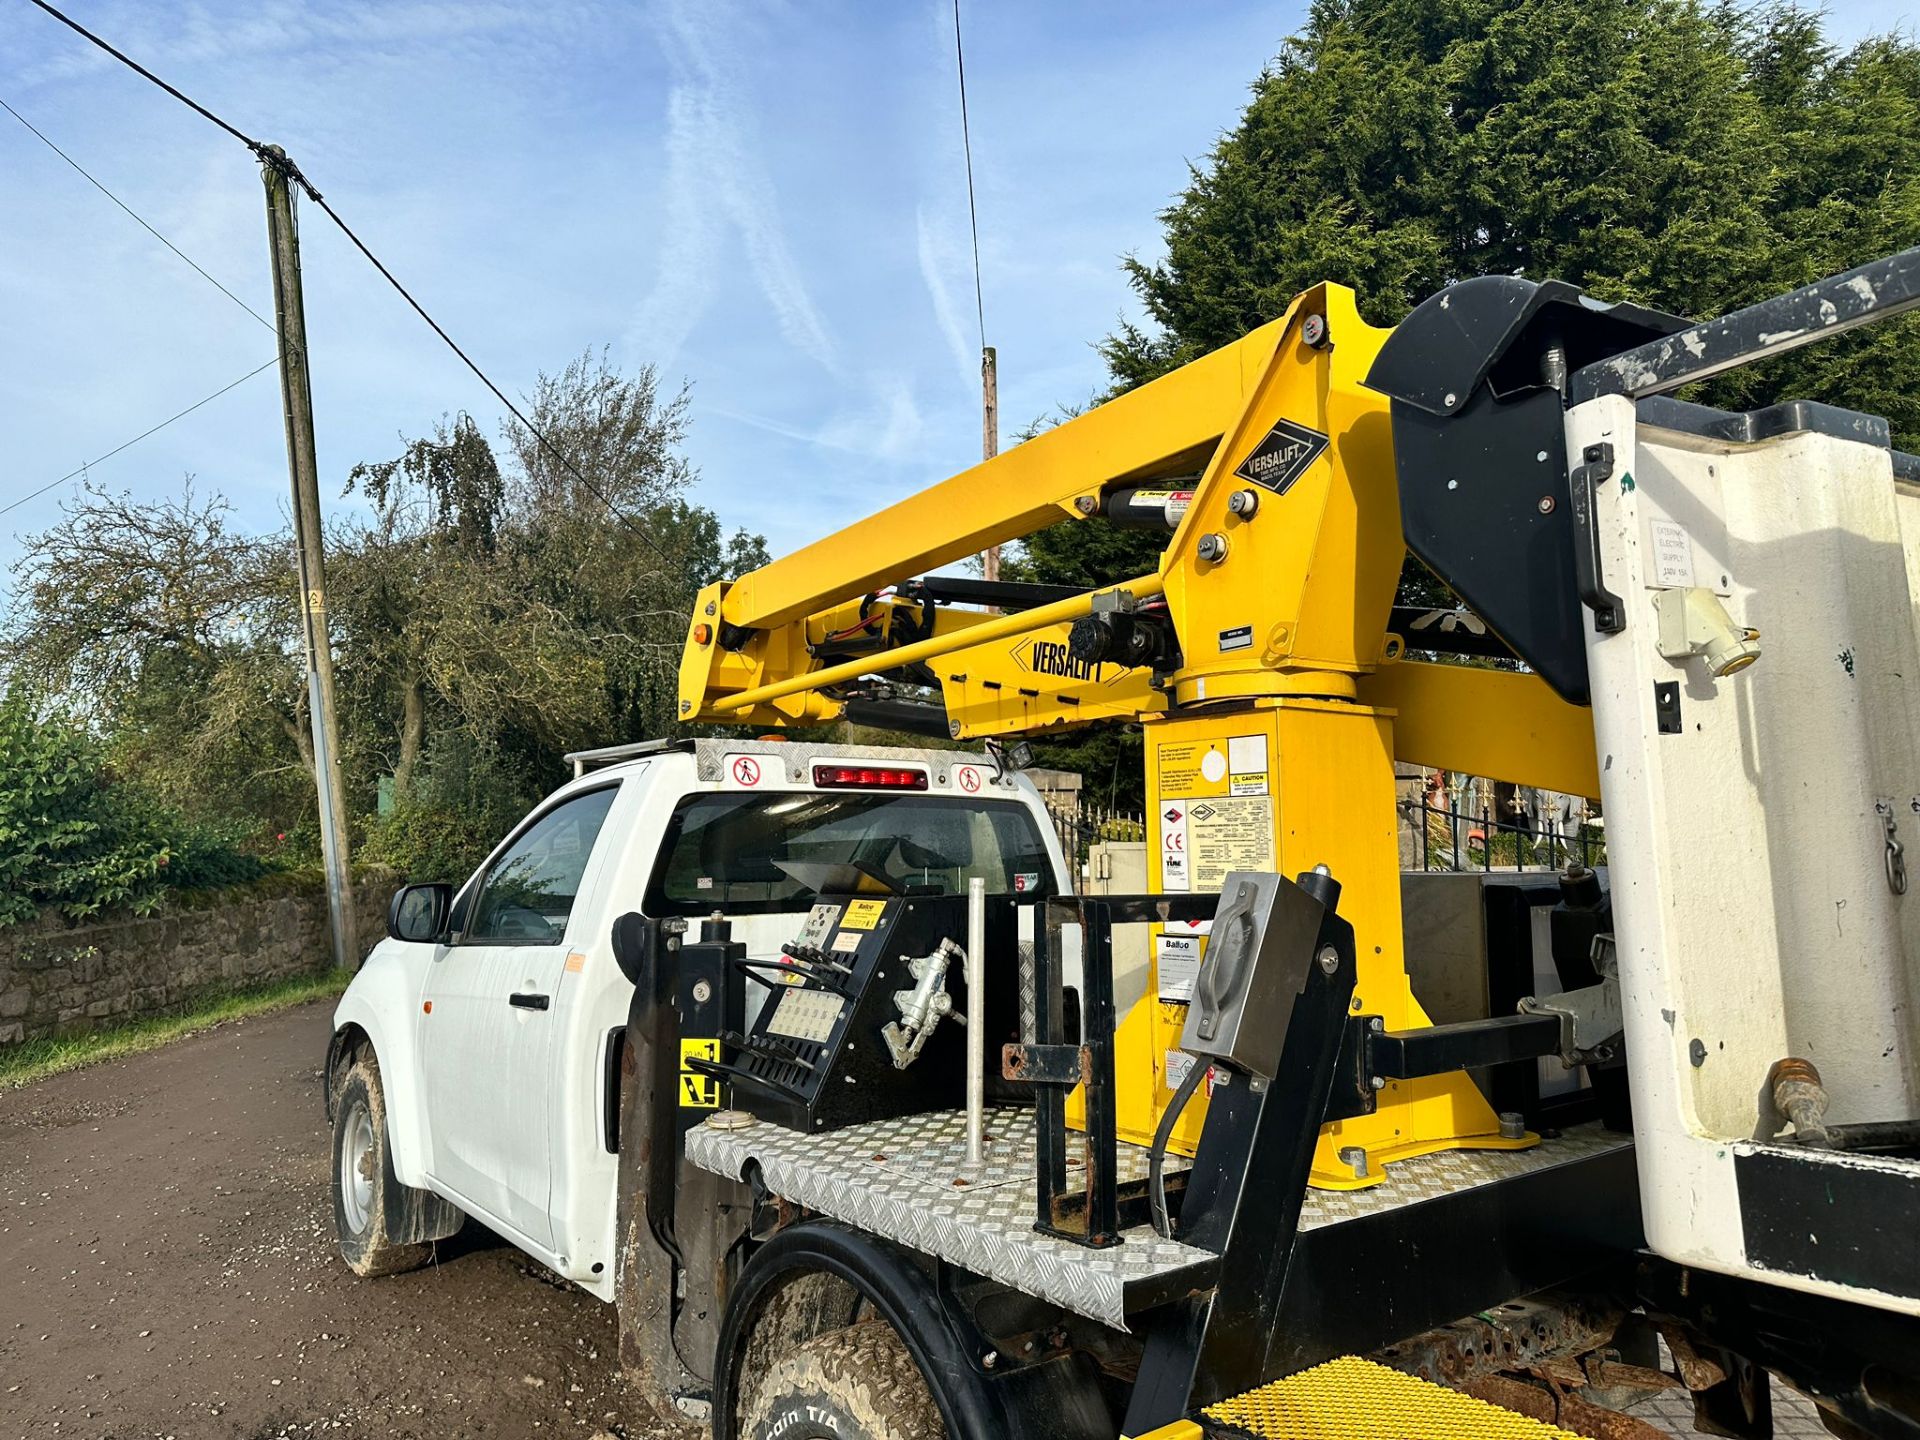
501,1109
1754,912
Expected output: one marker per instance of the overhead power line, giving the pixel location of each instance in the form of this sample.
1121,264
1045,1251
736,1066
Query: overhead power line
73,474
273,155
137,217
966,140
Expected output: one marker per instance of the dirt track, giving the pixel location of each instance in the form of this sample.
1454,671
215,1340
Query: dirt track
167,1269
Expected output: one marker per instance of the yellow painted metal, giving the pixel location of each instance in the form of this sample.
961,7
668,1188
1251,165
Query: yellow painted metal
1285,785
999,628
1283,640
1502,724
1313,570
1159,429
1355,1399
1178,1430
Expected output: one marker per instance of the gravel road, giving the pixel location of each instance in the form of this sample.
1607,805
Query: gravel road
167,1269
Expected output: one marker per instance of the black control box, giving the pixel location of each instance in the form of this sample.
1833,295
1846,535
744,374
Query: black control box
821,1052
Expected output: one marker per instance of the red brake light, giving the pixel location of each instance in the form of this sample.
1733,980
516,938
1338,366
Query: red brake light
878,777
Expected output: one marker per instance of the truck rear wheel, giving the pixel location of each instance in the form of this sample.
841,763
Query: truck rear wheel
363,1177
859,1383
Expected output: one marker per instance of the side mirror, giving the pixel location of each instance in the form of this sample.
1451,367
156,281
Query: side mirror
419,912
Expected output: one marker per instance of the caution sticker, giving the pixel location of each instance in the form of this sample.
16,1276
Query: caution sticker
698,1091
863,914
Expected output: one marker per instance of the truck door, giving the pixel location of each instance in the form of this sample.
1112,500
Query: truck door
488,1024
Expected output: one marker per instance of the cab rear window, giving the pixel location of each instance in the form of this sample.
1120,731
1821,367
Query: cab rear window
774,852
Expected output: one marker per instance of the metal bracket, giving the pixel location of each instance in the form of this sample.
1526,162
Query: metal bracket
1609,617
1590,1018
1064,1065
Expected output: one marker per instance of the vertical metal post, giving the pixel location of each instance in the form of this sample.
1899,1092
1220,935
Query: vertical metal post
302,462
976,1019
990,435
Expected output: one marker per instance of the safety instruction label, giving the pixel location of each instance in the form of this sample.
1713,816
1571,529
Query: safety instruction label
698,1091
1216,811
1247,765
1234,833
863,914
1177,964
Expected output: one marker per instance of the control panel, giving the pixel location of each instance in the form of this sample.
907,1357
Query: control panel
862,1016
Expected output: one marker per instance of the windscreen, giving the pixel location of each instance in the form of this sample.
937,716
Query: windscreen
759,854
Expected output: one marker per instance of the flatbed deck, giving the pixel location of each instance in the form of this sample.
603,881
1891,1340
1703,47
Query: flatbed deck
907,1181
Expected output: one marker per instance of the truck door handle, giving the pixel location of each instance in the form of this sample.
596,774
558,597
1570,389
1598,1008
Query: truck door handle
524,1001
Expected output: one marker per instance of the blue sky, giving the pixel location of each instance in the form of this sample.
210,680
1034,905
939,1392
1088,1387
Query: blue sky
766,199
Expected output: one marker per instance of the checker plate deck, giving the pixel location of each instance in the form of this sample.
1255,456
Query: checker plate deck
895,1179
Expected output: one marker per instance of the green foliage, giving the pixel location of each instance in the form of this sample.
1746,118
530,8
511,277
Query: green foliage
1690,157
463,802
489,614
73,836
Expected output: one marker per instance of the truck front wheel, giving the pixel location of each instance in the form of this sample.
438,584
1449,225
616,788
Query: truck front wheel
859,1383
363,1177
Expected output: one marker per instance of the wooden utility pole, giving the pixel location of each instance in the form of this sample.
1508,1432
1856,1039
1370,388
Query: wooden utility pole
990,435
296,394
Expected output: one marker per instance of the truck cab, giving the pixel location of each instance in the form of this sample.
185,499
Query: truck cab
475,1063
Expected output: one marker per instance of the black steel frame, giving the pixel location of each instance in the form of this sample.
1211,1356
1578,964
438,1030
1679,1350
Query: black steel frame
1054,1062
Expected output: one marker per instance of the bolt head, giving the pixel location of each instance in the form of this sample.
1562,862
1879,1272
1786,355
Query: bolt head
1329,959
686,707
1546,505
1313,330
1085,504
1212,547
1379,1082
1451,398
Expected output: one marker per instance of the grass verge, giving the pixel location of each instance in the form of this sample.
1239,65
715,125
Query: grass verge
36,1059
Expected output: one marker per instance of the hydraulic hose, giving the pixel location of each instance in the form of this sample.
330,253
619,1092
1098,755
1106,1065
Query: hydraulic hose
1157,1156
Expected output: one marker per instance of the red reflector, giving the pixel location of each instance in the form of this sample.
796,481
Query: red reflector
868,776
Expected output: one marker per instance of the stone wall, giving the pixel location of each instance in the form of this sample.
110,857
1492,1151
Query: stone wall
58,977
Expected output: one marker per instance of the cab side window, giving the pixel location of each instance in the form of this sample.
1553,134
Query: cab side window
528,892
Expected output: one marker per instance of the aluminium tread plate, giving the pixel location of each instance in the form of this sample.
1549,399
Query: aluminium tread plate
1448,1172
896,1179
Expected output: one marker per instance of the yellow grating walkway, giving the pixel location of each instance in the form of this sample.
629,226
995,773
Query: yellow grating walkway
1354,1399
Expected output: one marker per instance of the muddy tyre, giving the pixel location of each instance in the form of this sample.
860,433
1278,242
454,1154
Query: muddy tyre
859,1383
363,1177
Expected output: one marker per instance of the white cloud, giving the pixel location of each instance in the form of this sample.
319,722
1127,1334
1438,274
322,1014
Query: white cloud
715,171
939,257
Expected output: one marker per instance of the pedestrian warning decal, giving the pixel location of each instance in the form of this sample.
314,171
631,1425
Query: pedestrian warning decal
1283,457
698,1091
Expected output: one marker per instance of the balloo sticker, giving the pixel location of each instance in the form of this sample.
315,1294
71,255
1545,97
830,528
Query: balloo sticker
1213,766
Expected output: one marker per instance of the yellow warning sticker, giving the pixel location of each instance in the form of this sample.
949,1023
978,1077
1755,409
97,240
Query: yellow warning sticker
698,1091
863,914
1190,769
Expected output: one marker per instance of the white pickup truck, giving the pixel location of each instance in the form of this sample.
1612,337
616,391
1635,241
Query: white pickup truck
474,1068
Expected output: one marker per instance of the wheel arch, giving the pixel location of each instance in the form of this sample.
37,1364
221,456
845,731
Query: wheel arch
371,1018
943,1343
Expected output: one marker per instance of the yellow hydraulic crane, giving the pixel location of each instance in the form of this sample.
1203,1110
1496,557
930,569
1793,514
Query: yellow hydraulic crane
1260,658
